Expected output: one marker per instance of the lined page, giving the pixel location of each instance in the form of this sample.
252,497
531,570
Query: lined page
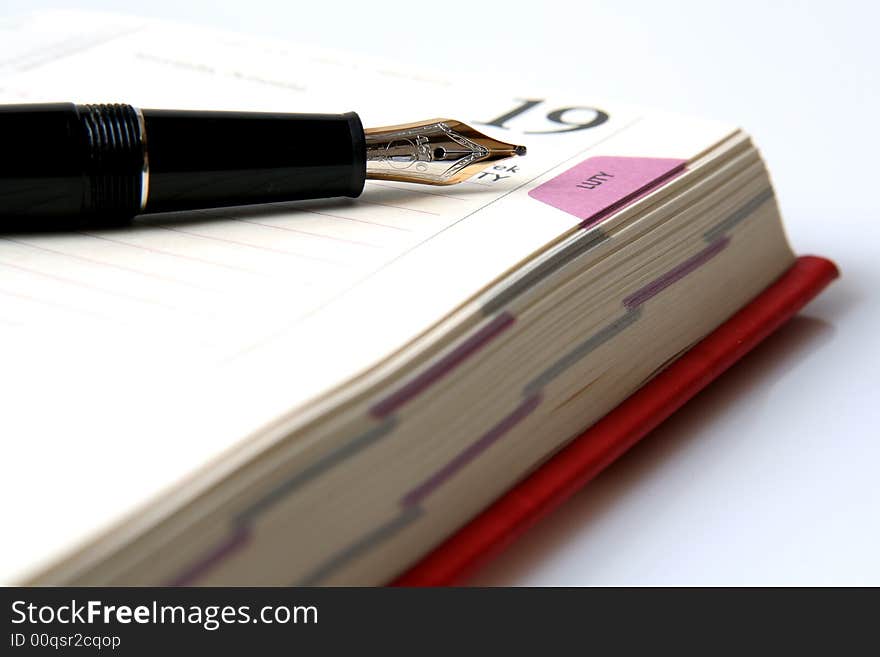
134,356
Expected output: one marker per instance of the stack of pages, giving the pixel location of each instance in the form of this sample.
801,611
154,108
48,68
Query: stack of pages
321,392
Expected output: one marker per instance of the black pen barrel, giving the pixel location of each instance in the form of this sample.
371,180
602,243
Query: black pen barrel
210,159
108,163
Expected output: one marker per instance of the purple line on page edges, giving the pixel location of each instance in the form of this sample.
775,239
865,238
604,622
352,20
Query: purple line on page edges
444,366
675,274
232,543
472,451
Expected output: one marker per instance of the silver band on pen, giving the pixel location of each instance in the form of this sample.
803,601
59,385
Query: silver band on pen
145,171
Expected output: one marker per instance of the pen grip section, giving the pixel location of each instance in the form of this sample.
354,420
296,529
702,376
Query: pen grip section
213,159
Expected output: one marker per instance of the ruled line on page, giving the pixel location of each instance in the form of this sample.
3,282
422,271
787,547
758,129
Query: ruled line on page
55,305
417,191
261,247
285,212
182,256
88,320
102,263
306,232
360,221
400,207
101,290
199,339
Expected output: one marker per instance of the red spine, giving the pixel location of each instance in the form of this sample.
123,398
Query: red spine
591,452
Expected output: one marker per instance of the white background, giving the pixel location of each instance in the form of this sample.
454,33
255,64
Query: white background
772,475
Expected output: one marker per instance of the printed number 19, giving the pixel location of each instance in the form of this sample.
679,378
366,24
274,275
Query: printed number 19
556,116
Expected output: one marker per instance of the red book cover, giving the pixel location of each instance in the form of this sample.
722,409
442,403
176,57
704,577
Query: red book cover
591,452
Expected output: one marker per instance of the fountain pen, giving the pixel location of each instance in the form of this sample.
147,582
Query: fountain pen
105,164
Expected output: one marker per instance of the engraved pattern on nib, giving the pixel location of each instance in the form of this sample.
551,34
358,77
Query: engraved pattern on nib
434,152
477,152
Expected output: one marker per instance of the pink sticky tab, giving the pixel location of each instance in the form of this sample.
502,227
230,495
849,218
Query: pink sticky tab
599,186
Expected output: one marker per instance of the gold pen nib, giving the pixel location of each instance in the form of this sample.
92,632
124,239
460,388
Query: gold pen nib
435,152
